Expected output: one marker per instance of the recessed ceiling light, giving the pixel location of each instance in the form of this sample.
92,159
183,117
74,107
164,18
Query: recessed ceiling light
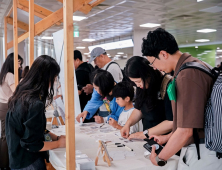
204,53
202,40
150,25
78,18
117,55
196,46
86,53
219,51
199,0
80,47
208,51
47,38
218,48
120,53
206,30
88,39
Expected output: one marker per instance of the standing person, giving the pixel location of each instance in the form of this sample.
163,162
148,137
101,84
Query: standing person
26,133
83,72
100,58
7,87
152,104
193,89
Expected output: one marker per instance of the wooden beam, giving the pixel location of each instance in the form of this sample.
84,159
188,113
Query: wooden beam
20,39
31,32
86,9
10,11
38,10
48,22
69,83
21,24
15,37
5,37
97,3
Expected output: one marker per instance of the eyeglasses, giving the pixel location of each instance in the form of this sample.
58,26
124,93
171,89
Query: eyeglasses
151,64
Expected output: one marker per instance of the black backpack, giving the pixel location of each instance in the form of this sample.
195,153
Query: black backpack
125,78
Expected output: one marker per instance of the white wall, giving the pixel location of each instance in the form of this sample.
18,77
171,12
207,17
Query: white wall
138,36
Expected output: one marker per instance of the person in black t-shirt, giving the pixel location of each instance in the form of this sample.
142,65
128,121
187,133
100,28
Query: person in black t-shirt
152,103
83,73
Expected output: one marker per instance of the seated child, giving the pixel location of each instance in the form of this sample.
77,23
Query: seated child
124,93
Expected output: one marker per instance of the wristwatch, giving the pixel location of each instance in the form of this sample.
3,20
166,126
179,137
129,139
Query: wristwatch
160,162
145,132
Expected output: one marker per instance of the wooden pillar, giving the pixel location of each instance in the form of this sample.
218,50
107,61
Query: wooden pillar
69,83
15,41
31,32
5,38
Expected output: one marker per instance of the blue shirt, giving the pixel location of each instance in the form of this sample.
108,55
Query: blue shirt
96,101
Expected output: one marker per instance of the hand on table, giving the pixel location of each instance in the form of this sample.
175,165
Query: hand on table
62,141
153,156
83,115
125,131
88,89
98,119
161,139
137,135
113,123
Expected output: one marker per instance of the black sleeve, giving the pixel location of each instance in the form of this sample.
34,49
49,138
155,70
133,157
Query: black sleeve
82,78
168,108
33,138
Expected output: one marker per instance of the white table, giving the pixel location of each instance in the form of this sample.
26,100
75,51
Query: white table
89,146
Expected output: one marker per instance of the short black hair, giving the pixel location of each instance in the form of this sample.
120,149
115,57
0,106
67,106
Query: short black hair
158,40
104,80
123,90
77,54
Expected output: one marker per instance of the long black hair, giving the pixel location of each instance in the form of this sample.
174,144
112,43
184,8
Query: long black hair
138,67
8,67
104,80
35,86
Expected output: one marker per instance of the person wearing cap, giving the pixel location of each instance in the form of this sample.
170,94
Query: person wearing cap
100,58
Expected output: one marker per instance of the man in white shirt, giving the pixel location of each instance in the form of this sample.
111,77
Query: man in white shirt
100,58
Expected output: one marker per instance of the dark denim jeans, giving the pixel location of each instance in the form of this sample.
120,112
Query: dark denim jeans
39,164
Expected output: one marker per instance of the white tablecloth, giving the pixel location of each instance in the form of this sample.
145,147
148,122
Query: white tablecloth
88,145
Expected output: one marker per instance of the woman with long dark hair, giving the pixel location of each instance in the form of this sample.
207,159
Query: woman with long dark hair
7,87
26,135
152,104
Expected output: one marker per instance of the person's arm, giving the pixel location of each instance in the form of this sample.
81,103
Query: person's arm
61,143
162,128
12,87
116,110
178,139
114,124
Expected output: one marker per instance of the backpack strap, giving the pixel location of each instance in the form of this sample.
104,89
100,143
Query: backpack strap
110,64
197,66
196,141
164,84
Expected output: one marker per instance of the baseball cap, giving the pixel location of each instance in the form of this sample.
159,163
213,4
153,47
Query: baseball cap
95,53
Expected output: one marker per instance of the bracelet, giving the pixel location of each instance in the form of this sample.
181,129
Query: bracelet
58,137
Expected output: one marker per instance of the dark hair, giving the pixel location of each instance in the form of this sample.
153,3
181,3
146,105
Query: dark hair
104,80
25,71
35,85
123,90
158,40
138,67
8,67
77,54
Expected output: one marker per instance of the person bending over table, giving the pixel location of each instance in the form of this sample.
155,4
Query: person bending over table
152,103
103,83
26,133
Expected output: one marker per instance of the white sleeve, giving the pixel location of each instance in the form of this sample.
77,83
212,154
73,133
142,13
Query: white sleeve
9,79
116,72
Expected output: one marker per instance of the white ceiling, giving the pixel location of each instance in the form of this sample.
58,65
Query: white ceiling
111,20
